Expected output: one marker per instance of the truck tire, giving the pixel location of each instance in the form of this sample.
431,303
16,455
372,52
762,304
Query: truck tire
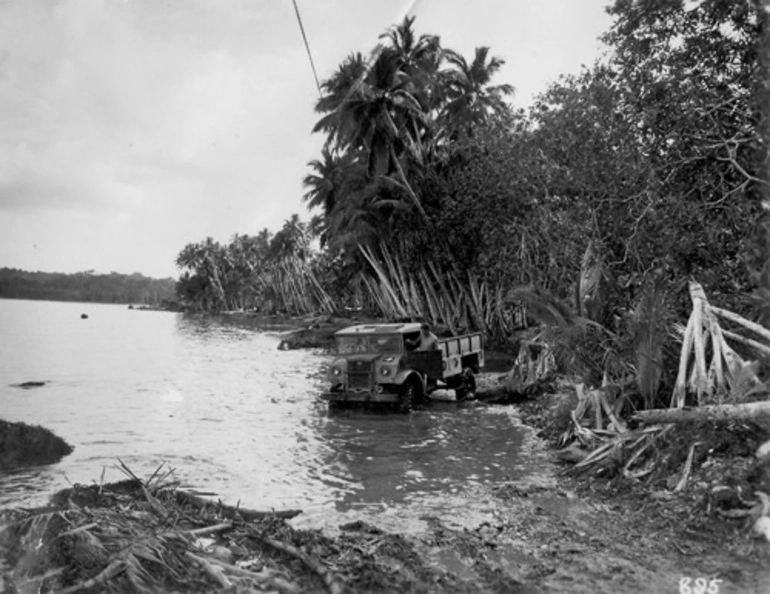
409,395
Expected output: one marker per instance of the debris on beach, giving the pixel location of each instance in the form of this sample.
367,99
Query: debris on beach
150,536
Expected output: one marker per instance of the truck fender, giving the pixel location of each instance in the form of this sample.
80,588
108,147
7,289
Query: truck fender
406,375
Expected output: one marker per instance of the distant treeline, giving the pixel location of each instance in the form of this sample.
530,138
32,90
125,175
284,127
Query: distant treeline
86,286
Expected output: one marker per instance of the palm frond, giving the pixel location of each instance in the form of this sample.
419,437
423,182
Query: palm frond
542,306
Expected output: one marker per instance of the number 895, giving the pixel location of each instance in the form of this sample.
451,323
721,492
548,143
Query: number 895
699,586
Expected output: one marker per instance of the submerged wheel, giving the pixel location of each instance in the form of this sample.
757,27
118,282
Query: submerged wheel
410,394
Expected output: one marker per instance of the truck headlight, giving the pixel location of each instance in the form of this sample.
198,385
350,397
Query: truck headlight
385,371
336,371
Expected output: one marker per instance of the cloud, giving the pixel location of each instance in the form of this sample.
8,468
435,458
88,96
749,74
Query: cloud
88,101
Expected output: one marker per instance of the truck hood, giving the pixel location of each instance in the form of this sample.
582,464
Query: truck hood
368,358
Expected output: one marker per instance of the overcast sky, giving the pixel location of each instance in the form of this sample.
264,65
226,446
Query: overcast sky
133,127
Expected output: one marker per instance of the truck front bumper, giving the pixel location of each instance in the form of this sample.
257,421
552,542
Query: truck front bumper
360,397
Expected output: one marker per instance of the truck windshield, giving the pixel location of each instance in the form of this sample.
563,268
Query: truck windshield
385,344
347,345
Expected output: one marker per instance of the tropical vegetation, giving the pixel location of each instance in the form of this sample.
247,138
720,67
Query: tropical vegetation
594,208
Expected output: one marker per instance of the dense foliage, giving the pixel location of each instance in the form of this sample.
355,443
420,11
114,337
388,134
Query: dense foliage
615,188
653,157
86,286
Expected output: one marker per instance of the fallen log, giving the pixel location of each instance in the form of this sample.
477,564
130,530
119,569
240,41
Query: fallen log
751,411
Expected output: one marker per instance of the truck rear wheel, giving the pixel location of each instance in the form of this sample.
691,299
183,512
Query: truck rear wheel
410,394
467,387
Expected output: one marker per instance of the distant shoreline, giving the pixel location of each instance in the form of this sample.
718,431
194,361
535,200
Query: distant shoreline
131,305
87,287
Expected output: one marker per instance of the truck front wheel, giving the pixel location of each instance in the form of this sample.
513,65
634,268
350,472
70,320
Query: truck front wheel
409,395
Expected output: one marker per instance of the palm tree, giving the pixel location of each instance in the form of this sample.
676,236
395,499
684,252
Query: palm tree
292,241
337,90
327,180
379,119
420,59
417,53
210,262
470,96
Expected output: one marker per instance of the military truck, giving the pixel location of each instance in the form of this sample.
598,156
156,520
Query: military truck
375,363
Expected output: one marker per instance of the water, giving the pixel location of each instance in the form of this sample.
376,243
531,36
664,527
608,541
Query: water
215,399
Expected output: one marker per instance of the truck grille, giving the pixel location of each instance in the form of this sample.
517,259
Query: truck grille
359,374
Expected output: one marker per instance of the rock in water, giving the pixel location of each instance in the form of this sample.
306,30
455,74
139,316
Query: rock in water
29,445
28,385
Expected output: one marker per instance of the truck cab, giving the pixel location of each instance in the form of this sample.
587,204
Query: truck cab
375,363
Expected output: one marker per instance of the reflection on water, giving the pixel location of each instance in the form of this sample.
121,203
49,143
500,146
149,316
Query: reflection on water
214,398
394,458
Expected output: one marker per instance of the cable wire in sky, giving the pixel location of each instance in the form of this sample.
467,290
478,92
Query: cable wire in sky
307,47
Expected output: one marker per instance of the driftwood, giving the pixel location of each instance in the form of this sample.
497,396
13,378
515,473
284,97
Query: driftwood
232,513
218,571
751,411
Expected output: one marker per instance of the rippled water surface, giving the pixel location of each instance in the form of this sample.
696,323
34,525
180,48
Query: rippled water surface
214,398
